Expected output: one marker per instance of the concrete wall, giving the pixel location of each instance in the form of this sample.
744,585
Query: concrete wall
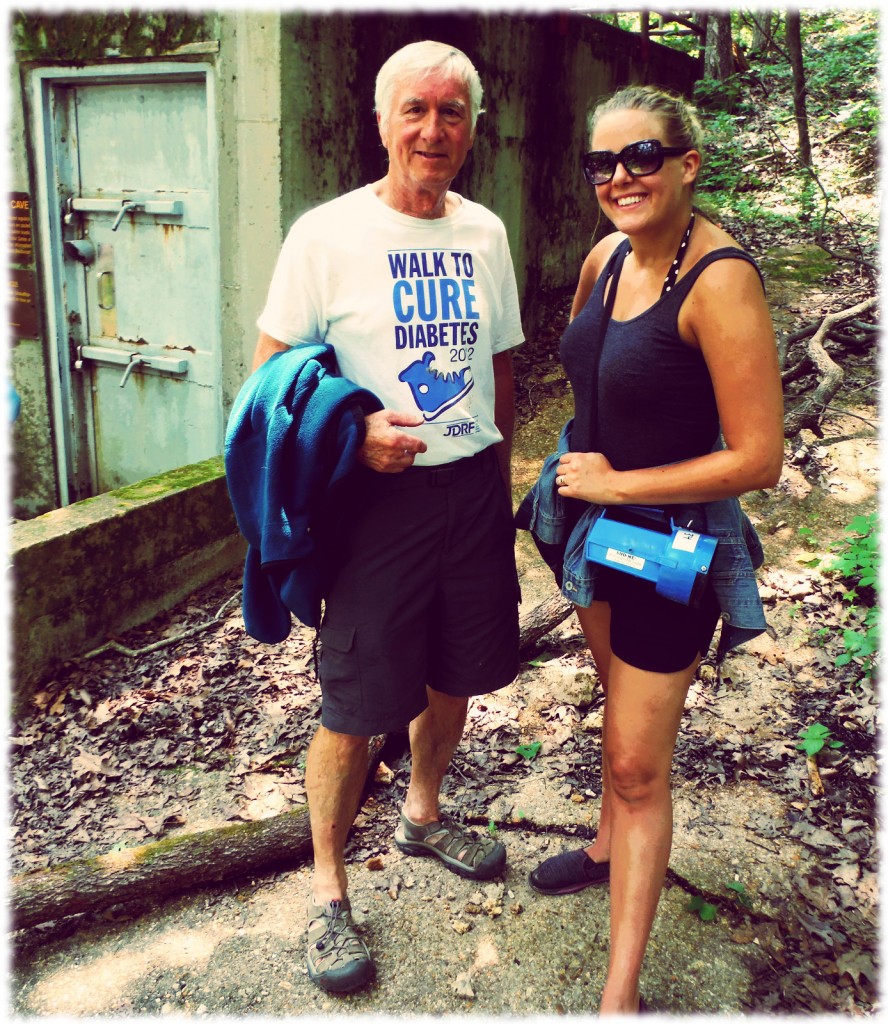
295,126
249,96
88,572
30,437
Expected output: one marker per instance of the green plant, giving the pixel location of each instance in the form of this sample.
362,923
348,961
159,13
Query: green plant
815,738
710,94
858,555
857,562
529,750
698,905
491,827
740,893
820,638
725,160
808,197
810,541
543,658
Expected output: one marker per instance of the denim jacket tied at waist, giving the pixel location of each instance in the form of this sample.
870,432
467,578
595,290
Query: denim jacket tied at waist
739,553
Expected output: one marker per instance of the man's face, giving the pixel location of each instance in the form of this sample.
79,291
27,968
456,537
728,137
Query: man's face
428,133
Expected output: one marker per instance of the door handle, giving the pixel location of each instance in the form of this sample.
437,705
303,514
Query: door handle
135,360
126,207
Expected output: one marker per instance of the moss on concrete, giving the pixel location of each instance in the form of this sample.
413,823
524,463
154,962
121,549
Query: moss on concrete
806,264
174,480
112,562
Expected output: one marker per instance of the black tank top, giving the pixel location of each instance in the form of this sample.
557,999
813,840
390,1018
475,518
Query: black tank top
653,403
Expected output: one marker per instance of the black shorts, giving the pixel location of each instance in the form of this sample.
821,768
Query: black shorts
427,595
651,632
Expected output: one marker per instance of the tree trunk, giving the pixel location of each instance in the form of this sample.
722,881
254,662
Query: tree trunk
541,620
761,31
719,60
799,88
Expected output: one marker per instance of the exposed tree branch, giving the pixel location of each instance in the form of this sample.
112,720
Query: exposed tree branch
809,410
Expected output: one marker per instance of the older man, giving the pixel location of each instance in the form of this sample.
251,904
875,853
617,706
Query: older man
413,287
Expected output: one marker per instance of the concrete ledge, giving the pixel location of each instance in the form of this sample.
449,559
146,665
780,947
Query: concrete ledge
95,569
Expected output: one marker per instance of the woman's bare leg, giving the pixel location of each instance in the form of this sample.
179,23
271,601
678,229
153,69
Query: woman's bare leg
643,712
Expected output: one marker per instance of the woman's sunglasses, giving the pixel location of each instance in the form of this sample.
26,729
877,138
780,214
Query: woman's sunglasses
639,159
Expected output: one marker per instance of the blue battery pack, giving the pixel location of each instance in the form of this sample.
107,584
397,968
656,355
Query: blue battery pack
645,542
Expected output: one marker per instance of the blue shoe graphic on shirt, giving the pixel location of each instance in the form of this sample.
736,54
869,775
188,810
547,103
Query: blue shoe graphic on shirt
435,392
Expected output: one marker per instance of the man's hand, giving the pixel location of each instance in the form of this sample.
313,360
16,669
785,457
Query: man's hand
387,449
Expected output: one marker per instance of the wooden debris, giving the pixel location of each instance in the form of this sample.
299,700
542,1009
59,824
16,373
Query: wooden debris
814,777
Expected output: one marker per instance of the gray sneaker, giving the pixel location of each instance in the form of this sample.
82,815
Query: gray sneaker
337,958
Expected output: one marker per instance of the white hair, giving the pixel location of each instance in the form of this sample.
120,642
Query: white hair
417,60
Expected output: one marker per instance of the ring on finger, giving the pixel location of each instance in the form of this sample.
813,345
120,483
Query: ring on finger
559,480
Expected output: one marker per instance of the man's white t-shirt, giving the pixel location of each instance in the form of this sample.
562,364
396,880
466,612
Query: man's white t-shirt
414,309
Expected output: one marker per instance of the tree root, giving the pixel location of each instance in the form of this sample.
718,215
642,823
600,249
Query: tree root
809,411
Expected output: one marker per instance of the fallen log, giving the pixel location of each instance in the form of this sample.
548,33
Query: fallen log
173,864
187,860
541,620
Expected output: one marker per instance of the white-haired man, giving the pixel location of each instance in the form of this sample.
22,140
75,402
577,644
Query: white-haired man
413,287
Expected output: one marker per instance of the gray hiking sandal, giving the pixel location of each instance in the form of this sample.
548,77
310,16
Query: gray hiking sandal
337,958
462,851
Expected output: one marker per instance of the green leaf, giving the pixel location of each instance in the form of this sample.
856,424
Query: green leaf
861,525
529,750
813,738
814,731
811,747
740,889
543,658
706,911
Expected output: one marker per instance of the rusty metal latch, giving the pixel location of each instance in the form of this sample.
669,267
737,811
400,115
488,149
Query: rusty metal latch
157,207
97,354
135,360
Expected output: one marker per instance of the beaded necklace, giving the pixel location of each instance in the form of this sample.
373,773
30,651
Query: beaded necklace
679,256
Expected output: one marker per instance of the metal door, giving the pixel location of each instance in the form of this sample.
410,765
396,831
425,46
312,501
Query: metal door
135,252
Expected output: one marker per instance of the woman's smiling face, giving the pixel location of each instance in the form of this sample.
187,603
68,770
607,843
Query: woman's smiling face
633,204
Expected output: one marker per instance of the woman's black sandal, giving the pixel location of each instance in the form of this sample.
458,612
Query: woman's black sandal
568,872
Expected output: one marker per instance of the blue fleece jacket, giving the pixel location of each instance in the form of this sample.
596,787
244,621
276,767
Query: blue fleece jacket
290,457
